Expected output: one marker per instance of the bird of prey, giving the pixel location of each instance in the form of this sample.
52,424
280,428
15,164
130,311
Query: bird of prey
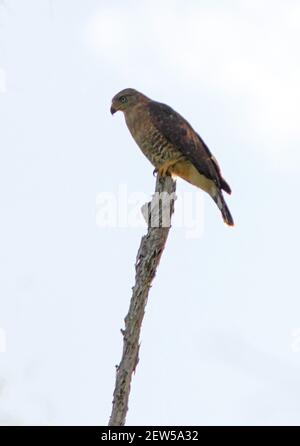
172,145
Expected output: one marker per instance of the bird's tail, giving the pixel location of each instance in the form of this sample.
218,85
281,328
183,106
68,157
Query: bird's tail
221,203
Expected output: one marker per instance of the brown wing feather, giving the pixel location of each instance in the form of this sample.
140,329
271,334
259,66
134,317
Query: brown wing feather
180,133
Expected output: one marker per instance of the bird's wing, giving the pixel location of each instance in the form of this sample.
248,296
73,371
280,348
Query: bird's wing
180,133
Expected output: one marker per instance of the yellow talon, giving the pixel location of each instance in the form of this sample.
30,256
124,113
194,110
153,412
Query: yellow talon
163,170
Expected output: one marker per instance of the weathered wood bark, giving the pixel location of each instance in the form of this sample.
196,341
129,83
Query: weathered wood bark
158,215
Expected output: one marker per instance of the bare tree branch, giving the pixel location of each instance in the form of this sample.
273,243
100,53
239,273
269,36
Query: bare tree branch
158,215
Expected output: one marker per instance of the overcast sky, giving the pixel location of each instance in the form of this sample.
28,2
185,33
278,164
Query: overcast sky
220,341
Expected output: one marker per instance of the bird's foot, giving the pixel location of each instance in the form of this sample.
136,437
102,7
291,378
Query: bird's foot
163,170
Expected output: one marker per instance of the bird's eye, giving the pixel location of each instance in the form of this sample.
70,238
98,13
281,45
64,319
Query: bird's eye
122,99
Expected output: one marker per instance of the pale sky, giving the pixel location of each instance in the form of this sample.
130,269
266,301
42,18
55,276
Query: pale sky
220,342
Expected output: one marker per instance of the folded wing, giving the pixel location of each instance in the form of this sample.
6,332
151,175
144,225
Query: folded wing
180,133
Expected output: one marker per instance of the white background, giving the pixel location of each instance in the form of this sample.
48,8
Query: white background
220,339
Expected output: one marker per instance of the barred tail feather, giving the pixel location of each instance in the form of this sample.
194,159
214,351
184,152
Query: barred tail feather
227,217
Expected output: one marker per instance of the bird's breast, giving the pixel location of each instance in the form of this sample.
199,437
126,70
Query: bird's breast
150,140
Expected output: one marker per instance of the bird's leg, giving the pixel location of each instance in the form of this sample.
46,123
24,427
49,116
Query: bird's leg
163,170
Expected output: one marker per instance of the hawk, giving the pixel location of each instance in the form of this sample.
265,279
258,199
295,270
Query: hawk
172,145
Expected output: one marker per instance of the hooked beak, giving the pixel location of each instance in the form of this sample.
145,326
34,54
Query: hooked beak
113,110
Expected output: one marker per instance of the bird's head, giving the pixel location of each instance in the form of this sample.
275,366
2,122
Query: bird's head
125,100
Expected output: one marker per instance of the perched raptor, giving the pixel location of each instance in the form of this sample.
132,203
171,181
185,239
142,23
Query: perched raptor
172,145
